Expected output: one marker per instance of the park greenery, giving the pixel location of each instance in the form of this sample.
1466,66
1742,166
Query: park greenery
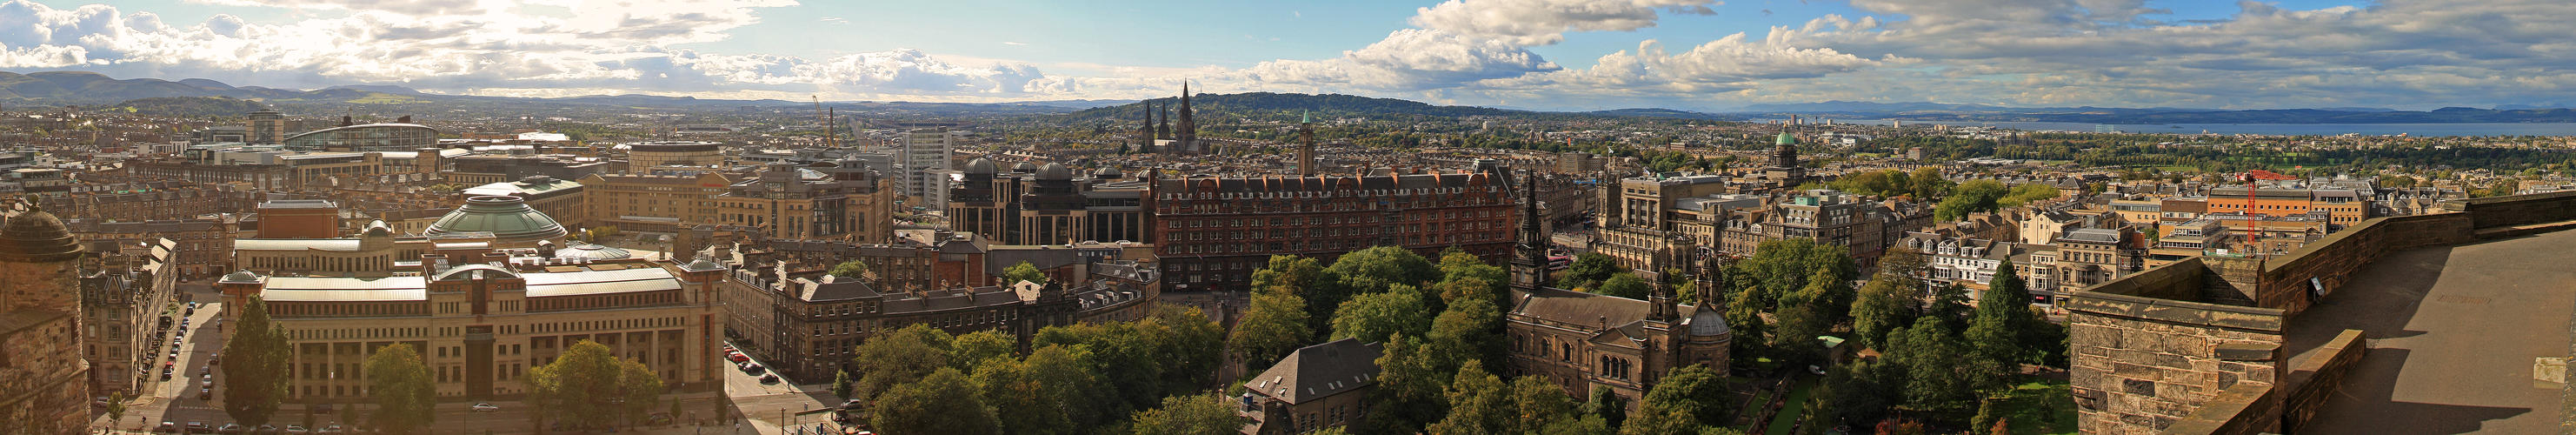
1076,379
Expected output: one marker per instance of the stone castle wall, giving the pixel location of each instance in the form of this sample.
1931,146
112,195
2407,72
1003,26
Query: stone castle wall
2140,364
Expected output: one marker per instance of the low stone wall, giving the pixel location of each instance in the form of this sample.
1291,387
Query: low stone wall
2316,379
2246,409
2143,364
2331,260
2514,210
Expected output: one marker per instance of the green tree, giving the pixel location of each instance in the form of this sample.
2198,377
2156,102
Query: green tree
1883,306
1023,272
1468,331
1376,268
900,357
853,269
943,402
1970,197
1609,406
1695,391
591,388
1372,317
255,365
1859,393
1479,403
1538,404
1939,379
115,409
1784,267
969,351
1456,264
399,382
1186,343
1275,325
1995,331
841,384
1625,285
1203,414
1928,183
1590,268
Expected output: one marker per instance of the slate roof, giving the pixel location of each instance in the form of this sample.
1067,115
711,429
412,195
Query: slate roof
1318,371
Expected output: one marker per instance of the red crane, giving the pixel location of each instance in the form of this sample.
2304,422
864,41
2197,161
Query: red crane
2249,177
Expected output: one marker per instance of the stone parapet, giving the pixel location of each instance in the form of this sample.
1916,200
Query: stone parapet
2316,378
2142,364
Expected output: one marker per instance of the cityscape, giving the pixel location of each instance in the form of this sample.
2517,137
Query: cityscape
1504,216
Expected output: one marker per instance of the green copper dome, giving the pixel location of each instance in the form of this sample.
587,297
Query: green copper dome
508,218
1785,139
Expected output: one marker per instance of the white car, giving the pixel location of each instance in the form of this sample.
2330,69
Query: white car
486,407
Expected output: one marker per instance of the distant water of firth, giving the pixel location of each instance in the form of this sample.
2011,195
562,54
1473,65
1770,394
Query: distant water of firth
2446,129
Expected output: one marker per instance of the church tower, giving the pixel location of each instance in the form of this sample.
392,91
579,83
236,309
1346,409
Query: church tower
1145,130
1164,130
1784,162
1529,257
1676,254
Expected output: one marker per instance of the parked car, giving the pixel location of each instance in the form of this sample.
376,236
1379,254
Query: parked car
196,427
267,429
769,378
297,428
486,407
167,427
232,429
206,393
334,429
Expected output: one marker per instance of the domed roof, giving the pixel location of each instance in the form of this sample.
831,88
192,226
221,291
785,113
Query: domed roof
980,165
1708,323
1024,167
591,252
1054,172
37,236
474,271
508,218
379,229
1785,139
242,276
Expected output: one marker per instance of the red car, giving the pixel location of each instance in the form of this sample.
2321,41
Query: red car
738,358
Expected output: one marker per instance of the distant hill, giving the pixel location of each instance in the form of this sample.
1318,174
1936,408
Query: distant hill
2157,115
1273,105
1667,113
189,106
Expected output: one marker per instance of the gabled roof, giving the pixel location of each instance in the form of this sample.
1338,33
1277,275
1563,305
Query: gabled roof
1314,372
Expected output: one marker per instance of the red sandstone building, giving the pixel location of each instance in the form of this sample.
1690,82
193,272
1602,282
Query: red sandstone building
1212,233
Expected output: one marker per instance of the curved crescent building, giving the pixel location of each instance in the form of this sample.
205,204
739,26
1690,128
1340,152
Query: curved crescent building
367,137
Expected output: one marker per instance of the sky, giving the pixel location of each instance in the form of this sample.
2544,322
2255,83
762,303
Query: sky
1534,54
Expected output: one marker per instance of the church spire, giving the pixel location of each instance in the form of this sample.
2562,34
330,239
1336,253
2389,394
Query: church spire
1164,130
1189,125
1529,257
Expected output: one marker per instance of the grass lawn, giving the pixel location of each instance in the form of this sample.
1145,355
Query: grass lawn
2038,407
1795,407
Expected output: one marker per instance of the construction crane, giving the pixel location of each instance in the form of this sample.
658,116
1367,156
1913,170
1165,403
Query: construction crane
2249,177
828,140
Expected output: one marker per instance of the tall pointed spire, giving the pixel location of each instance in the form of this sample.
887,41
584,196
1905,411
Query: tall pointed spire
1164,130
1529,257
1189,124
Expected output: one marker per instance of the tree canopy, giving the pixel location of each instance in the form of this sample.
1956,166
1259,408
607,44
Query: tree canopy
400,384
255,365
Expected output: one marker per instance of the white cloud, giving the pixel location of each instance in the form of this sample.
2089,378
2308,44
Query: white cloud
1408,60
1544,22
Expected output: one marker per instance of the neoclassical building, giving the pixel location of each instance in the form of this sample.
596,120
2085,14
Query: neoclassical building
482,322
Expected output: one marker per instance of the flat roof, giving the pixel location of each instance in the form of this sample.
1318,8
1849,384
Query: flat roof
2453,332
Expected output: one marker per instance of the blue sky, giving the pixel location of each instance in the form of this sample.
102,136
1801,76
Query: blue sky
1546,54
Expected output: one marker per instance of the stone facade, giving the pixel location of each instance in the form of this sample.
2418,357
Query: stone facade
2141,366
44,382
